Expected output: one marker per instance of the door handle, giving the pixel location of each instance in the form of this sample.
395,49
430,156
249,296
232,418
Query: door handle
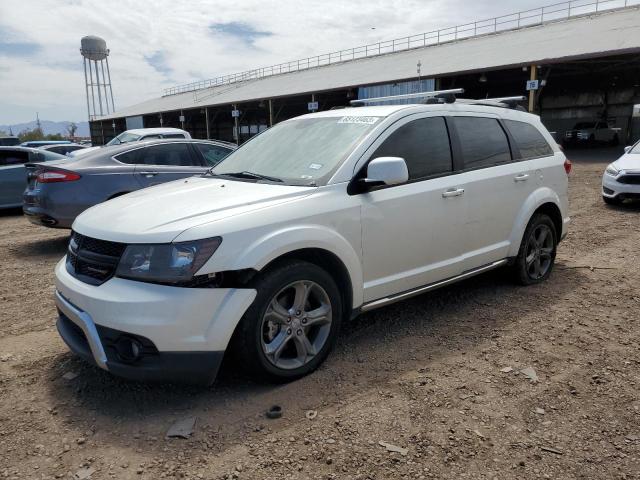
523,177
148,174
454,192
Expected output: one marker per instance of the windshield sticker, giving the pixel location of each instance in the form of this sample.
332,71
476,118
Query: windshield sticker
363,120
306,177
315,166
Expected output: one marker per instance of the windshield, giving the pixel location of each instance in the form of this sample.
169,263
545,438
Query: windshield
124,137
584,125
299,152
635,149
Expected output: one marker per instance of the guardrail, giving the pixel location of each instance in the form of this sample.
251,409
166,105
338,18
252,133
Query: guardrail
514,21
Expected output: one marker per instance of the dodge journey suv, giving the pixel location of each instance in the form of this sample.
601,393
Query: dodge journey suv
306,225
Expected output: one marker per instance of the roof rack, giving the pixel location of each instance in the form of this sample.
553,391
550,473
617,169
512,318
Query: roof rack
447,95
502,102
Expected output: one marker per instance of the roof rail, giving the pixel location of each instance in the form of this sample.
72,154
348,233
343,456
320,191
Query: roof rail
503,102
447,95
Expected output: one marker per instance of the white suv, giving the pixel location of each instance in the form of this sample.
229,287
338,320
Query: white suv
306,225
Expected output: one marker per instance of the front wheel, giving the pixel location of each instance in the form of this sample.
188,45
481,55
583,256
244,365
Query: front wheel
537,253
292,324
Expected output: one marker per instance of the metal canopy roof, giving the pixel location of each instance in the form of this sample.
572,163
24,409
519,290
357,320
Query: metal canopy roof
589,36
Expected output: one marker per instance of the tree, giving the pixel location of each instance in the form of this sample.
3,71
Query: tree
29,135
71,129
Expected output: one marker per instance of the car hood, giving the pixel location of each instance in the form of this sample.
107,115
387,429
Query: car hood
159,214
628,162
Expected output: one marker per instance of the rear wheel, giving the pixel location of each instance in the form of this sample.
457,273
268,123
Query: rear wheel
292,324
537,253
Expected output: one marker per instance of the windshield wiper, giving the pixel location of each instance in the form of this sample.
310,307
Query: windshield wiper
246,174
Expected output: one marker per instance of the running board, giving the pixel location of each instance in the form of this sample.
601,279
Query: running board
427,288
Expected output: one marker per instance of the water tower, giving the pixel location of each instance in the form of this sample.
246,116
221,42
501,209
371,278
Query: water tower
95,54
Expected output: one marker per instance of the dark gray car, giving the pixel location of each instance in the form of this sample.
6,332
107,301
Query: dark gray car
58,192
13,176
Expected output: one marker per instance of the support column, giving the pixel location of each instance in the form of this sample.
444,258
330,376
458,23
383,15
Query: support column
270,113
532,93
237,125
206,120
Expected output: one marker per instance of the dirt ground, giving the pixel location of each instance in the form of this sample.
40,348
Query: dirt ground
438,375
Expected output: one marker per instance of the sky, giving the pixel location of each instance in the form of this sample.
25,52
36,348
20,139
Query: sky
162,43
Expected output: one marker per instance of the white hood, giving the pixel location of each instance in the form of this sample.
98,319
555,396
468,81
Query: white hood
159,214
628,162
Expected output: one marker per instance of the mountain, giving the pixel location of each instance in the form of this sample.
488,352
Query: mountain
48,127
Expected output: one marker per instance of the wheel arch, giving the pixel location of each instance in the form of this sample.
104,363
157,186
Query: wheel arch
544,201
329,262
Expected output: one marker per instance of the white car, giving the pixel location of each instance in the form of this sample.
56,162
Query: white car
138,135
621,179
591,133
305,226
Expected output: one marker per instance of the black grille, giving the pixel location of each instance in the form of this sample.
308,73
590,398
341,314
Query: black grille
630,179
91,260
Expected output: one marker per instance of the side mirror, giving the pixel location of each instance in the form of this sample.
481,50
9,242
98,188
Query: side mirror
387,171
628,148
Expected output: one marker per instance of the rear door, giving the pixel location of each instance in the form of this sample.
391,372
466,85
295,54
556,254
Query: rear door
166,162
13,177
497,182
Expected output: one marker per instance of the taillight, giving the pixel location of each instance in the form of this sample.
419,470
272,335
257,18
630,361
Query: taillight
568,166
53,176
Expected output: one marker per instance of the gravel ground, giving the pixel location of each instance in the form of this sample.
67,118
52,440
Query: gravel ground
438,376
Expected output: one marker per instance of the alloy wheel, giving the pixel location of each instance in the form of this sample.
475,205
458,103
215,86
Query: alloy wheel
539,252
296,324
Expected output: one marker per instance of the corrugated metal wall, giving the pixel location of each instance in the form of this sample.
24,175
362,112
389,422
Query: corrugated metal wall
398,88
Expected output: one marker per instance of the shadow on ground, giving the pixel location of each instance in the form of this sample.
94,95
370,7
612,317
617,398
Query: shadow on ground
372,349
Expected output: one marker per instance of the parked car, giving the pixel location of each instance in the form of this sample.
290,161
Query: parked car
58,192
42,143
139,135
621,179
591,133
306,225
13,176
9,141
63,149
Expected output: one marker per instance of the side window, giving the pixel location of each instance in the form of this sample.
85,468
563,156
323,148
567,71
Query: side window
173,135
170,154
8,158
529,140
150,137
130,157
212,154
483,142
424,145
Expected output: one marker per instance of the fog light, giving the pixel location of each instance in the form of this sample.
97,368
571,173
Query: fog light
129,349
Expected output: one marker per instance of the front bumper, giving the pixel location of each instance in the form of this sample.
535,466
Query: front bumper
185,330
611,188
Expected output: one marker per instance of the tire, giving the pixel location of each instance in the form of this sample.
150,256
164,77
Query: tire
537,253
268,340
612,201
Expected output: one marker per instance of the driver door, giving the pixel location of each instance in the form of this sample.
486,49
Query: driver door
412,234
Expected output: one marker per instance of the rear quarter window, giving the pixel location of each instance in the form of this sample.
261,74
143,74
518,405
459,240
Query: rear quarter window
529,140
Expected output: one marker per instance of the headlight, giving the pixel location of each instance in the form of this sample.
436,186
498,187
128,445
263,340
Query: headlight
612,171
166,262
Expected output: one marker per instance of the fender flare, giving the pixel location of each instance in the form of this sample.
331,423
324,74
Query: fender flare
537,198
267,248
